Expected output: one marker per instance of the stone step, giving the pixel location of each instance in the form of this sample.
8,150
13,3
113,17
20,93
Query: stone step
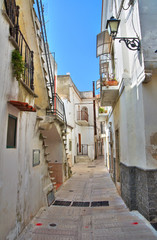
41,128
46,154
45,146
52,178
39,118
82,158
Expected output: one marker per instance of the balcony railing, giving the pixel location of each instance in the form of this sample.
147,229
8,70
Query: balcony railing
57,108
27,55
82,115
12,10
18,40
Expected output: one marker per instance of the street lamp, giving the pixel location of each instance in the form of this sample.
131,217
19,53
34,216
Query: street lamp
131,43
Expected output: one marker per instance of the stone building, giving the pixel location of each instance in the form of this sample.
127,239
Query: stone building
128,73
32,118
80,119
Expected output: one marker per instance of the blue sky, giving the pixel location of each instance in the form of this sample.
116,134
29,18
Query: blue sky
72,26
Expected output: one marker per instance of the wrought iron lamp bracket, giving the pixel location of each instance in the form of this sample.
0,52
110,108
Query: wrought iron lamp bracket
131,43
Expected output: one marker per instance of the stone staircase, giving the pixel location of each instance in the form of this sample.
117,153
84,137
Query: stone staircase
46,154
63,135
82,158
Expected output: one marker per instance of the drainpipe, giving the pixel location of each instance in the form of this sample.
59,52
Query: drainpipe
95,132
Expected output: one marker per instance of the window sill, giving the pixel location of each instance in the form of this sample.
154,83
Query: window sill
28,89
7,18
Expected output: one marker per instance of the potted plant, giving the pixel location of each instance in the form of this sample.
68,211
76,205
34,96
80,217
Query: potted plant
18,64
101,110
112,82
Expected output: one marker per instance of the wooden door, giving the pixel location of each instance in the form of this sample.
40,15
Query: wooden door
79,138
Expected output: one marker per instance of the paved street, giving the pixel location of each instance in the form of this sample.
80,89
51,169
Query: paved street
90,185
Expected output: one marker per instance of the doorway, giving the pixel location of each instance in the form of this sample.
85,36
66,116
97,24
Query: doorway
79,142
117,167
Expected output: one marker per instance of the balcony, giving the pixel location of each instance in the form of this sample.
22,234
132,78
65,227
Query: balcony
12,12
57,109
102,117
109,93
19,42
82,118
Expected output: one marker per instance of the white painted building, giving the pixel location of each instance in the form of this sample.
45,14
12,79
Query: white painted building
80,119
26,176
132,121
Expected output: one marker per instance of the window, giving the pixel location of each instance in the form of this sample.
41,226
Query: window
84,114
70,145
36,157
101,128
11,134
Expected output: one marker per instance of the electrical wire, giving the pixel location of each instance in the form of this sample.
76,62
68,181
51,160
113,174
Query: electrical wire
134,24
129,4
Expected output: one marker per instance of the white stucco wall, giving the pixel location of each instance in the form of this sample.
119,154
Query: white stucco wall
150,114
73,101
135,113
21,185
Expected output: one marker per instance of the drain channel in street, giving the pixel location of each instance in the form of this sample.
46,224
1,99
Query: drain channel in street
62,203
81,204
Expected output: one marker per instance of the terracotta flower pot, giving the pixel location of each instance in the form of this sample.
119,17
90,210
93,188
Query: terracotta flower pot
111,83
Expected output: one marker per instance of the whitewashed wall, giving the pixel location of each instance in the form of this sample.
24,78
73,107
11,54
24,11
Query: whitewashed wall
72,99
21,184
135,112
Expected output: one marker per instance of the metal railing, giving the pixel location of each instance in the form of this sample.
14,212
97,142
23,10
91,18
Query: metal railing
57,104
57,108
82,115
27,55
12,11
82,149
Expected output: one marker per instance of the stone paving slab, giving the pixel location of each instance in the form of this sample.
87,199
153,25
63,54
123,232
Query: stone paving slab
113,222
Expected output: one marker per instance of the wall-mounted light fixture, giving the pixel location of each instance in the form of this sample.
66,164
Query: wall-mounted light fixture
132,43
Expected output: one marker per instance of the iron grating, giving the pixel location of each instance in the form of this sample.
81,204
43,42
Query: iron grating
100,204
80,204
62,203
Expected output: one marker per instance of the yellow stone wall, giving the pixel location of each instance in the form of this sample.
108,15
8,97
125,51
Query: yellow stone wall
27,27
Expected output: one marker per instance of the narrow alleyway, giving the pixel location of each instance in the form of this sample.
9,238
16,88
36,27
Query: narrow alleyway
111,220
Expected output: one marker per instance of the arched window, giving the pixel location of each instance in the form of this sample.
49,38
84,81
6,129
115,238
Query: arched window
84,113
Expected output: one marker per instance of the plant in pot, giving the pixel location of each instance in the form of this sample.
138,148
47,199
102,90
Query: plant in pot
101,110
18,64
112,80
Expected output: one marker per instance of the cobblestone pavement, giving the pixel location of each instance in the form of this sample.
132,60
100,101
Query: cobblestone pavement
90,182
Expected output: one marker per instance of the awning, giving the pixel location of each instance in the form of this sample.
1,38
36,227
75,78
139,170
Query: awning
104,41
22,106
104,65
